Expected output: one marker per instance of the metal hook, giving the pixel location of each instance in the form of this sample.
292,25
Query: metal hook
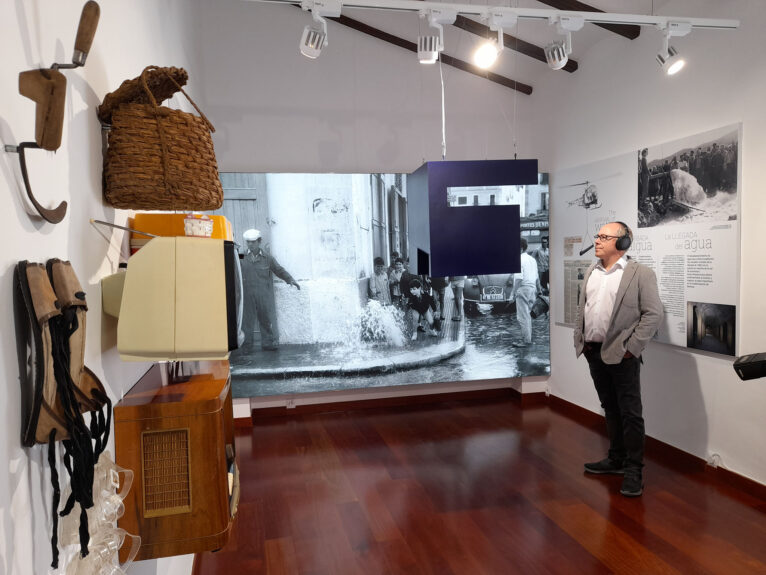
53,216
86,30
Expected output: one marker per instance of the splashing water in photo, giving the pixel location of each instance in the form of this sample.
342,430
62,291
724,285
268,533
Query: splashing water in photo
376,326
717,206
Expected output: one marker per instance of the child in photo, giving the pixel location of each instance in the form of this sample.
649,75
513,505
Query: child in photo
421,306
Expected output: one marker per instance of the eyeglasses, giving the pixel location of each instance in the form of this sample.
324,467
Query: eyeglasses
604,237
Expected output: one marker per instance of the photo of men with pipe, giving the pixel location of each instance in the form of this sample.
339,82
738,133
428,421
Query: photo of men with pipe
331,299
689,180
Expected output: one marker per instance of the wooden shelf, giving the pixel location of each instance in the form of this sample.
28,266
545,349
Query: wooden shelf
179,441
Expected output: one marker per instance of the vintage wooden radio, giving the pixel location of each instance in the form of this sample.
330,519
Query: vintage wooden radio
179,440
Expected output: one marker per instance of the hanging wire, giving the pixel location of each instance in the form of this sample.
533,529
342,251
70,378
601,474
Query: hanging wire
444,116
355,123
421,69
516,95
486,76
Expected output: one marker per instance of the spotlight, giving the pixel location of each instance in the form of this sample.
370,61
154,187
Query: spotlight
671,62
314,36
668,58
428,49
485,55
430,46
312,41
556,55
557,52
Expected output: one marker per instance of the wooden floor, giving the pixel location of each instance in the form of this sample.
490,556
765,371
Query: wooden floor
467,488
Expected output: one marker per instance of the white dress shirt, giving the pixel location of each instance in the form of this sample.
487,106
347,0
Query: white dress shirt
600,293
528,274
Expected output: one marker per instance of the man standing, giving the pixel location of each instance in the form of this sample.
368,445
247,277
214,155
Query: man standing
257,269
526,286
457,284
618,313
439,286
542,257
643,178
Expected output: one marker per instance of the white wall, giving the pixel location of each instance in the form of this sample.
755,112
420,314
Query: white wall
618,101
35,33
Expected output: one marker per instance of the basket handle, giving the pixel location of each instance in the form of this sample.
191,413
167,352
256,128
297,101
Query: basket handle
144,83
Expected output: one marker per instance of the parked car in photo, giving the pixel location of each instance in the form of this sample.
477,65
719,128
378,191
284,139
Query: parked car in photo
485,294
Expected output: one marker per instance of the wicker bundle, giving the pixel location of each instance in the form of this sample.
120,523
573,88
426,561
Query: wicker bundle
158,158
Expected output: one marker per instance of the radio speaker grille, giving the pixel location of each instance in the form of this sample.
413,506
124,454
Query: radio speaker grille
167,485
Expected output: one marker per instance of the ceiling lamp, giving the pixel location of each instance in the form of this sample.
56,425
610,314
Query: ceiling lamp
557,52
669,59
488,52
430,46
314,36
313,40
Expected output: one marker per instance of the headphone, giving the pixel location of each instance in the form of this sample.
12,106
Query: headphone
624,241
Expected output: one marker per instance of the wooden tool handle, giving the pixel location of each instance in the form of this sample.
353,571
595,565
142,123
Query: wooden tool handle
86,31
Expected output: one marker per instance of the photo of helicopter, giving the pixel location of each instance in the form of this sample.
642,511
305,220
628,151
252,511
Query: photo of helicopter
589,201
589,197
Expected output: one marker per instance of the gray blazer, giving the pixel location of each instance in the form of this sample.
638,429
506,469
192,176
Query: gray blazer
636,316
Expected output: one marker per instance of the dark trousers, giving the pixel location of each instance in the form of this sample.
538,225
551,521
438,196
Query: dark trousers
544,279
619,390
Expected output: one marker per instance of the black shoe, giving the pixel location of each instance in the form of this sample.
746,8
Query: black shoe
421,329
632,484
605,466
270,348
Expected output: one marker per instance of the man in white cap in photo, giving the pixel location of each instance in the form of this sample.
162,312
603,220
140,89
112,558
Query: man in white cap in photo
257,270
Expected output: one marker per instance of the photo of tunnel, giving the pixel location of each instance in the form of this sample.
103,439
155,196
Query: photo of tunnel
711,327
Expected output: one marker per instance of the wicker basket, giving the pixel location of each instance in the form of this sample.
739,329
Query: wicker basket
158,158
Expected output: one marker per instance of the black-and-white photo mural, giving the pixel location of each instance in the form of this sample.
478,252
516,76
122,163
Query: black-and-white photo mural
331,300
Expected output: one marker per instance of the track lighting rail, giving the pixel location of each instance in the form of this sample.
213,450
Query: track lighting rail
541,14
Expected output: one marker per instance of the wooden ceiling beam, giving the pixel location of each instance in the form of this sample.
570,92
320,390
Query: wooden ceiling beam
629,31
449,60
510,42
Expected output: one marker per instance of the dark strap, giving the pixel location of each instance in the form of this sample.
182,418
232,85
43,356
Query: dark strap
84,535
79,456
56,498
100,424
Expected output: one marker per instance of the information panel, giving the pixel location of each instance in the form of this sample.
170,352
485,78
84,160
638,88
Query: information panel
681,199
